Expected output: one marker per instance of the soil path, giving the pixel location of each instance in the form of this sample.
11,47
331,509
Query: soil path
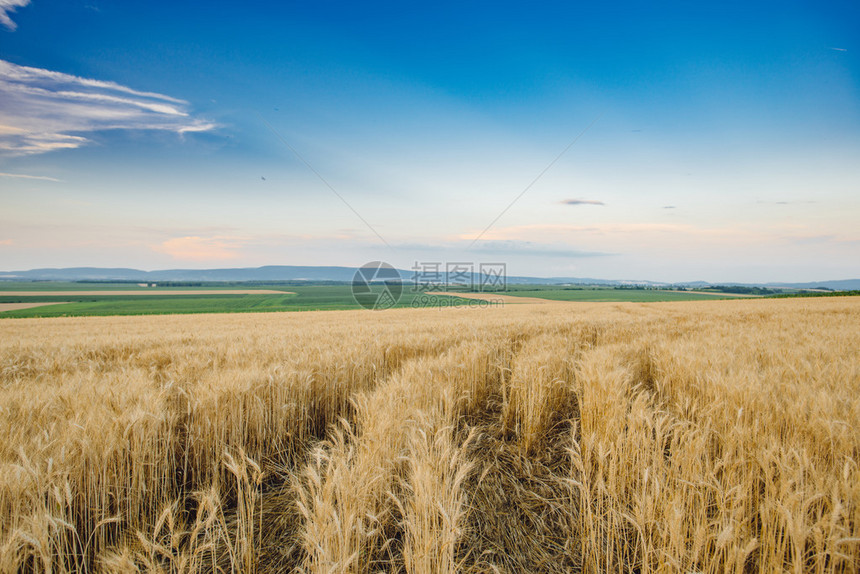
16,306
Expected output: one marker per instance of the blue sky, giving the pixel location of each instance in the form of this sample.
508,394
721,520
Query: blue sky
717,141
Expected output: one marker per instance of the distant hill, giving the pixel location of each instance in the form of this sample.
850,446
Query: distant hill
313,273
267,273
836,285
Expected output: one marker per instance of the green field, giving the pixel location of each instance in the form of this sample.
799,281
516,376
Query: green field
606,294
303,297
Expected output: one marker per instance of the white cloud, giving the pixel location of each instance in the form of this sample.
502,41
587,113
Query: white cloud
25,176
42,110
7,6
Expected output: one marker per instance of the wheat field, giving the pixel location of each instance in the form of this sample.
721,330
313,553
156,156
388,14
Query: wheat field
670,437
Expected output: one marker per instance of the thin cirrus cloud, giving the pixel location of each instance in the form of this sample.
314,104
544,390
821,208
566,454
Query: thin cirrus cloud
674,236
459,248
623,233
7,6
510,247
42,110
786,202
25,176
582,202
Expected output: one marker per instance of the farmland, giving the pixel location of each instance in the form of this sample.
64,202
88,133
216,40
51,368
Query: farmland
69,299
607,294
101,300
707,436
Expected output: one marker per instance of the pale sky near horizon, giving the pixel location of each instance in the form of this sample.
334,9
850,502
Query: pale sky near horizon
716,141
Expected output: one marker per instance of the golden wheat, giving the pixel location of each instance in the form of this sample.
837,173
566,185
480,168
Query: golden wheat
686,437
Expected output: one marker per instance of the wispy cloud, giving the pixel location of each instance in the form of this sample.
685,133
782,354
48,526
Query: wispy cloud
605,238
536,249
42,110
457,249
25,176
785,202
7,6
668,207
194,248
5,242
612,235
839,49
581,202
819,238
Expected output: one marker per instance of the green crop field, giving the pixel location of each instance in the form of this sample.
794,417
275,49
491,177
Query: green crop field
301,298
606,294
